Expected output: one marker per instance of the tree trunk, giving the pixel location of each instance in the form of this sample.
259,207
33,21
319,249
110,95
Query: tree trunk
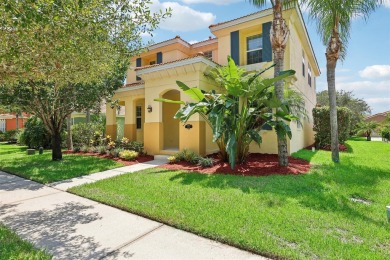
17,121
88,116
332,55
279,36
56,146
69,141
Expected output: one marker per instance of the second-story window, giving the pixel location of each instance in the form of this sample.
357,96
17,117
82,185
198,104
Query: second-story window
208,54
309,75
254,48
138,115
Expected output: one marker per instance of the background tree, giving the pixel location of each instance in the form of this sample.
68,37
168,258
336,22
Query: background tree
278,35
358,107
333,18
57,56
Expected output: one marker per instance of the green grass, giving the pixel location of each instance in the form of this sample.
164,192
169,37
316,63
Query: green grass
300,217
13,247
41,168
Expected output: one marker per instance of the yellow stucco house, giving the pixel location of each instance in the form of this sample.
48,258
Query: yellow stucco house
246,40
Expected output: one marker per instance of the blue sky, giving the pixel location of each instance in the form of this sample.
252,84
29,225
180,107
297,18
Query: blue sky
366,69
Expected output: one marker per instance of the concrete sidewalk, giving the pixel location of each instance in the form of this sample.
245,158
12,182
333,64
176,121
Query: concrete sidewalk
72,227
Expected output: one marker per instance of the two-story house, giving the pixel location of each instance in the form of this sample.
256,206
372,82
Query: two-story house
155,72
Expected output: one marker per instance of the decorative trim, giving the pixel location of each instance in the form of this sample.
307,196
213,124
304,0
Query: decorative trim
129,88
169,42
204,43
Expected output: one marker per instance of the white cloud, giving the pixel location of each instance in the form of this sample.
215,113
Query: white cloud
193,41
378,100
216,2
367,86
376,71
386,3
184,18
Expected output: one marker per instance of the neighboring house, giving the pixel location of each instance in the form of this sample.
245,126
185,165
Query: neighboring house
246,40
8,121
379,118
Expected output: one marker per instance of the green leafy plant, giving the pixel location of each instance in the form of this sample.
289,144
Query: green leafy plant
94,149
172,159
187,156
385,133
205,162
76,149
102,149
366,128
115,152
237,114
87,134
128,155
84,149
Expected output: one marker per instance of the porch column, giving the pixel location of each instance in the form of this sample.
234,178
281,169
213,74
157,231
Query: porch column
111,127
130,131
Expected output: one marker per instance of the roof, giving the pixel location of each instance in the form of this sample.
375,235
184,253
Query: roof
241,18
200,54
138,83
379,114
178,39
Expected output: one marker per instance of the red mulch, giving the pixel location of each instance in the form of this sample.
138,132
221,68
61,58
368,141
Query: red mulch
256,165
342,147
140,158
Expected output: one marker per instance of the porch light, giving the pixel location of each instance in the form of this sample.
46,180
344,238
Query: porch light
188,126
149,108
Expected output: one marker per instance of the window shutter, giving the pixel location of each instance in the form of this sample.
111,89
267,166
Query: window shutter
267,47
138,64
235,46
159,57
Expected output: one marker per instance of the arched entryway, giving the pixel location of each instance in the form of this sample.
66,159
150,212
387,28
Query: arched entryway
170,125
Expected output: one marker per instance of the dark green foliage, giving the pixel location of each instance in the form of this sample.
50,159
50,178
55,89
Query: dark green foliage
322,125
187,156
35,134
385,133
87,134
10,135
131,145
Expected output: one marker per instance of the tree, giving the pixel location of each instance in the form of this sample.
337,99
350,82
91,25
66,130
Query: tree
237,114
366,128
58,56
333,18
358,107
278,35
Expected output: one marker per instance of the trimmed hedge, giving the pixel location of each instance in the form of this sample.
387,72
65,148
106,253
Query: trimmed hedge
322,125
385,133
34,134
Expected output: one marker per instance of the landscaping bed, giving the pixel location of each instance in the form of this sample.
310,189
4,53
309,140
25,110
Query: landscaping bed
140,159
256,165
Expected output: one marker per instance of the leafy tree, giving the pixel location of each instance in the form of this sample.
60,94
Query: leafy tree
238,113
358,107
279,37
333,18
366,128
57,57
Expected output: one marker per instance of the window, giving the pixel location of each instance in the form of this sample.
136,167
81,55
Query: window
309,75
138,116
303,64
208,54
2,125
254,49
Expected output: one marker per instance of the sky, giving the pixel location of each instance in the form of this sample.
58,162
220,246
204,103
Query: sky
365,71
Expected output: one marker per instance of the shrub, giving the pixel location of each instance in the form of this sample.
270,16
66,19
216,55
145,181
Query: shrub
188,156
172,159
76,149
87,134
35,134
385,133
128,154
84,149
11,135
205,162
94,149
132,145
322,125
115,152
101,149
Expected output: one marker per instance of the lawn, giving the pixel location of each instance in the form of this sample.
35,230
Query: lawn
41,168
13,247
337,211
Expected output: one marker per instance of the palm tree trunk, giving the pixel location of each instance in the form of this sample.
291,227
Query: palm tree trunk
279,35
69,141
332,55
17,121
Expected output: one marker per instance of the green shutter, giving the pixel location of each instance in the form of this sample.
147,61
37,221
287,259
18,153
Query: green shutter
235,46
159,57
138,64
267,47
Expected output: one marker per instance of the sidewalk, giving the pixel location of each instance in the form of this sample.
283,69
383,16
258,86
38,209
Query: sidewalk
72,227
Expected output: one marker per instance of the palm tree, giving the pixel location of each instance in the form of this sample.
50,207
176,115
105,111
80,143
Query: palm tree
278,35
366,128
333,18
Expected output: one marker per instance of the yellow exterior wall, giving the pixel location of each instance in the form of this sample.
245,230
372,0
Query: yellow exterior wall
170,124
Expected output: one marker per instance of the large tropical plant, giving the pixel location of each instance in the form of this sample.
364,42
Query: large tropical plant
278,35
333,18
238,112
366,128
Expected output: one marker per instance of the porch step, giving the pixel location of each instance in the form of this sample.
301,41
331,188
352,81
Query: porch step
161,157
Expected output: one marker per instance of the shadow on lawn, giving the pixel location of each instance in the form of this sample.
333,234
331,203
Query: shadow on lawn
317,191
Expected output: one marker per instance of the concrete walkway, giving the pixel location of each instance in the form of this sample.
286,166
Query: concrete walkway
72,227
